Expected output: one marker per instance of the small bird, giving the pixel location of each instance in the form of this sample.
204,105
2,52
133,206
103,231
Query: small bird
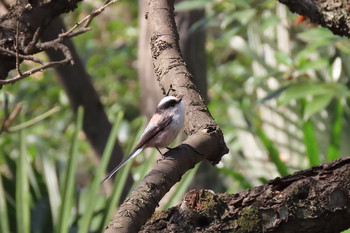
162,129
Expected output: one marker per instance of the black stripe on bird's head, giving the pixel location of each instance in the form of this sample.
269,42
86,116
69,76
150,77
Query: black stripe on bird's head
167,102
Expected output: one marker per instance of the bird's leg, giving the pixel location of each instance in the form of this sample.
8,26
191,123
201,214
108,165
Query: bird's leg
160,151
163,157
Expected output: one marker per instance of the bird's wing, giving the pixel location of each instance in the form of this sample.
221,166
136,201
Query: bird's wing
153,129
150,132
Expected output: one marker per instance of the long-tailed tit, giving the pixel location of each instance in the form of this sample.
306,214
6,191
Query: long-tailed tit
161,130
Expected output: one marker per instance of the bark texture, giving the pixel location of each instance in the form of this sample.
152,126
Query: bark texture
313,200
30,17
192,45
334,15
205,139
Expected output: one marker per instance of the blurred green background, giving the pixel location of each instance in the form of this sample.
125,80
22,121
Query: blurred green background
279,91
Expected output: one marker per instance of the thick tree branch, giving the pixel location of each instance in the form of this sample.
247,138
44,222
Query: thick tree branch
205,138
28,21
334,15
313,200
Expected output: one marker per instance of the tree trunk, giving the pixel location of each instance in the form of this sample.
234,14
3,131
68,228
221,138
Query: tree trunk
313,200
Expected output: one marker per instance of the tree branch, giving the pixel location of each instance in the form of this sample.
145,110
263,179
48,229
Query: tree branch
205,139
30,20
27,22
334,15
313,200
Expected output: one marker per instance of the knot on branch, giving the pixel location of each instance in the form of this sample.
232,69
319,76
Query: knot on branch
158,46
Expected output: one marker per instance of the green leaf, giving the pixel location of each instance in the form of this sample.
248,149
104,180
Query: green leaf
303,90
307,64
311,143
35,120
68,185
243,16
274,94
283,58
190,5
315,34
273,152
22,188
335,138
317,104
4,219
52,187
90,204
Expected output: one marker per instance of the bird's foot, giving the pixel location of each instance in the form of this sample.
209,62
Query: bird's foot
160,152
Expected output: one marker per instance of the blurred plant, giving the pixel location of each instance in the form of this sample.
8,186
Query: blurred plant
43,198
279,91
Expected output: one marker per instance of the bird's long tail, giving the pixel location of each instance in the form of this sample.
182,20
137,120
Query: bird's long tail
132,155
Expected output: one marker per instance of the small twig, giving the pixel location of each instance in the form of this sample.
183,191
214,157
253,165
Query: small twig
24,57
32,44
88,18
8,120
32,71
46,65
56,44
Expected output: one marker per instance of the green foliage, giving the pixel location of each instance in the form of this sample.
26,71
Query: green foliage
312,151
291,79
67,192
273,152
22,189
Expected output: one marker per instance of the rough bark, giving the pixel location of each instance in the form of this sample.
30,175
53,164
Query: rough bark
77,84
313,200
334,15
205,139
192,45
30,17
